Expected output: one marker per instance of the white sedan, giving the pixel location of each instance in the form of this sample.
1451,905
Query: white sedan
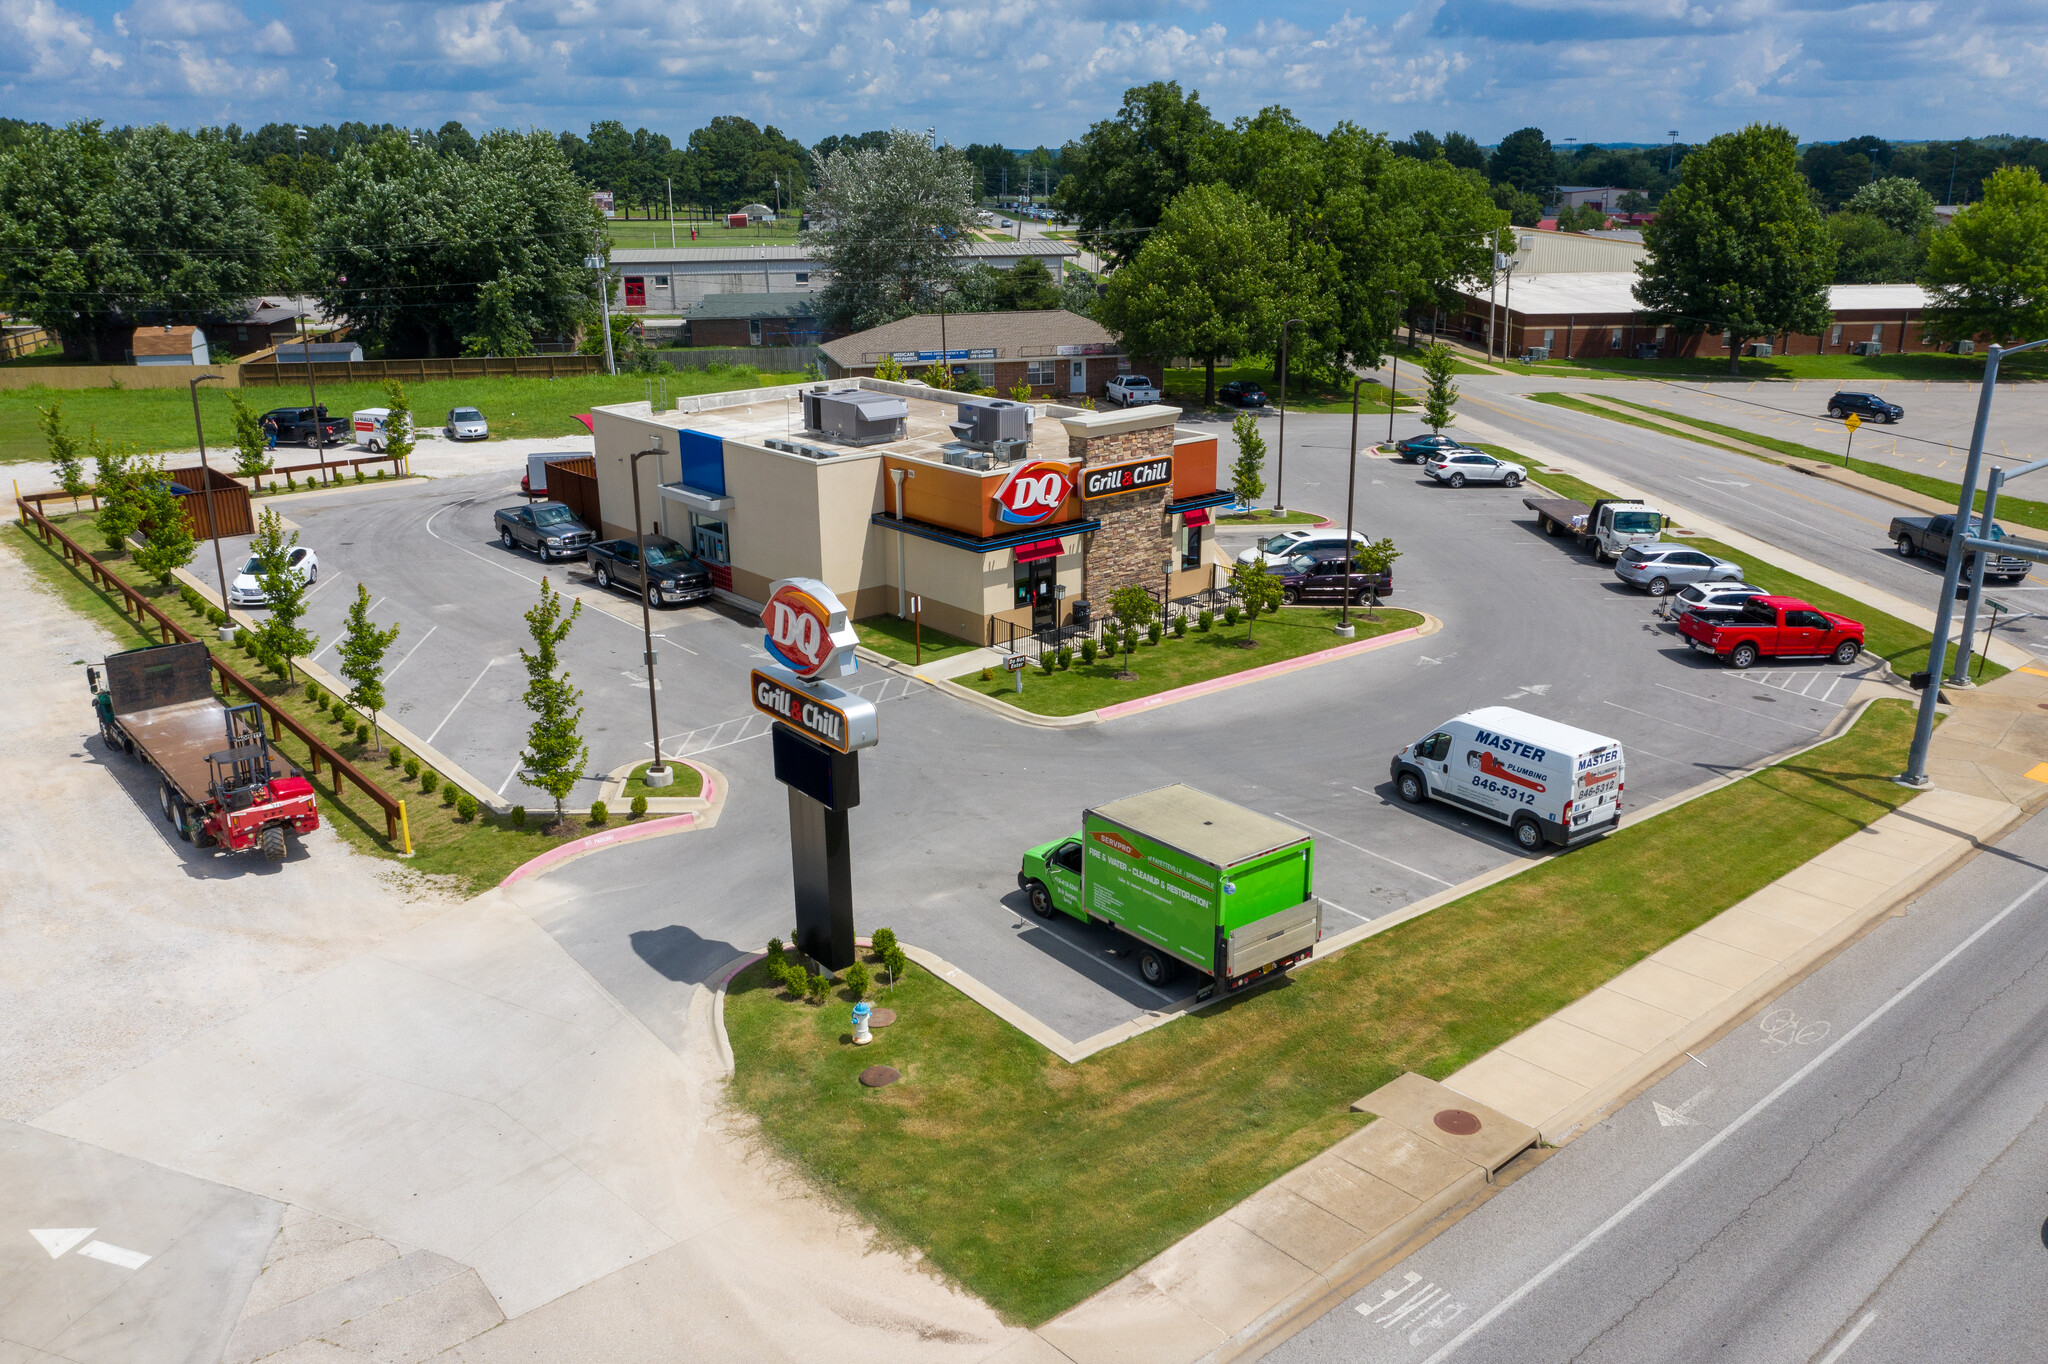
247,588
1459,467
1292,544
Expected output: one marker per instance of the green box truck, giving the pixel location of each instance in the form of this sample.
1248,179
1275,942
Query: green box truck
1192,879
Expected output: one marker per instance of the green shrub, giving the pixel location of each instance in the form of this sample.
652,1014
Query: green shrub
1088,650
519,816
450,793
315,696
884,940
291,483
1231,614
363,731
639,805
1204,620
465,807
412,768
857,980
1066,658
775,949
394,757
1045,661
898,962
1153,633
1180,627
598,813
817,987
429,779
360,476
244,641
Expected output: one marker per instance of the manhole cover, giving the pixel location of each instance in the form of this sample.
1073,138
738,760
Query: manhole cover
881,1018
874,1077
1455,1121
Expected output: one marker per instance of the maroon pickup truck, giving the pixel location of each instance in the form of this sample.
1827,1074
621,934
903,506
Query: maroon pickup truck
1774,627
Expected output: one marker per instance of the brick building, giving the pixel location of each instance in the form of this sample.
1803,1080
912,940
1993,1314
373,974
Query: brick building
1055,353
665,281
755,320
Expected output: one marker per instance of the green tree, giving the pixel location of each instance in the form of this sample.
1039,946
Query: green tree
1078,292
555,753
1124,171
500,329
280,638
362,649
1737,246
1438,367
1523,209
889,371
1867,251
167,540
1248,471
1988,269
1900,204
65,456
1377,558
252,446
1132,606
1464,152
1581,218
1208,283
937,375
1257,590
894,222
1525,160
114,470
399,436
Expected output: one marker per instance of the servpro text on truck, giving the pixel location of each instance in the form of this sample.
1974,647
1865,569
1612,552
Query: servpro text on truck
1192,879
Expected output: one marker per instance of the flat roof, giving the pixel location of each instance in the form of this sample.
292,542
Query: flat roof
1201,825
737,306
1594,293
1037,334
683,255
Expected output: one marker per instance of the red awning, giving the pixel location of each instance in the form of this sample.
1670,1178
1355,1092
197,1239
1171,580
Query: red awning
1043,549
1195,516
588,420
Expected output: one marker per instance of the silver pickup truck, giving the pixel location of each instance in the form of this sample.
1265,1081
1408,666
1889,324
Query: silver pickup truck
1930,535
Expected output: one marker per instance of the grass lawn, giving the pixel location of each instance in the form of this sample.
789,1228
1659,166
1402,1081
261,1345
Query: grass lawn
475,853
688,782
1411,356
2018,511
1034,1183
1304,393
897,639
161,418
1290,633
1268,517
1851,368
1552,481
654,232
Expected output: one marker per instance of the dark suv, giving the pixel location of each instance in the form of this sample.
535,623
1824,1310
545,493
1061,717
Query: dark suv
549,529
1868,406
295,426
1422,449
1321,578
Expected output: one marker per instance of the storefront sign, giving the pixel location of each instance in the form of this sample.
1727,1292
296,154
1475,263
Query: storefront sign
1033,492
1088,348
838,719
1110,479
1032,553
905,357
807,629
1195,516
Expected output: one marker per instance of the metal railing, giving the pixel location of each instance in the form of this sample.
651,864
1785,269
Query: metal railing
170,632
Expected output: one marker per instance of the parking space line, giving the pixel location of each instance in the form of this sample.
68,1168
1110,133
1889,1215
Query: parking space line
1057,937
1341,910
1661,720
1367,851
410,652
330,643
1811,729
459,700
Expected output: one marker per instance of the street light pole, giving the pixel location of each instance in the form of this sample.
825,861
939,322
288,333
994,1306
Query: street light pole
1280,461
1394,392
1344,625
212,511
658,772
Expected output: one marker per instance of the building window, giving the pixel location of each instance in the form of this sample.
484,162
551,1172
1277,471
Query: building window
1660,334
661,281
1835,336
1614,339
803,277
986,372
1042,372
1877,332
754,331
1549,337
1727,340
1190,547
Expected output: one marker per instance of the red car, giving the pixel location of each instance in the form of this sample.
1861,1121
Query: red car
1774,627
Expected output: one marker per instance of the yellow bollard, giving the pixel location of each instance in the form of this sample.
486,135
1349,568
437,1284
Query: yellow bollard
404,830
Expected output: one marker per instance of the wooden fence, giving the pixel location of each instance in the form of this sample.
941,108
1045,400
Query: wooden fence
274,373
169,632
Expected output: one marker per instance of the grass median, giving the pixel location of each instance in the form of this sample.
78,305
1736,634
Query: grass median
1857,369
474,853
1266,516
1201,656
1034,1183
898,639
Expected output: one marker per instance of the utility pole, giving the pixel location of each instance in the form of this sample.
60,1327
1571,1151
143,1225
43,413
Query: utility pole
212,511
658,773
595,261
671,215
1280,462
1672,155
312,388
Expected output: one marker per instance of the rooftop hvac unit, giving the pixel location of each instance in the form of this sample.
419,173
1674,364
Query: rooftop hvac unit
1867,348
792,447
854,416
985,422
960,457
1759,349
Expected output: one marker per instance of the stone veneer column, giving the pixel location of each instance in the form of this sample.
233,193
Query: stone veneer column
1136,534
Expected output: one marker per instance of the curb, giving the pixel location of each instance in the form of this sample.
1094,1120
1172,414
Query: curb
583,847
614,789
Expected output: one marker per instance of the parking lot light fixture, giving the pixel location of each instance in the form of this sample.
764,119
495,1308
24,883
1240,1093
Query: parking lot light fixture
658,772
1394,390
1344,626
227,631
1280,456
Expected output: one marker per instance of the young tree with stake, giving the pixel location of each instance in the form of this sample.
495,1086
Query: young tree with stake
362,651
555,752
114,479
1248,473
398,426
252,445
279,639
1442,394
1257,590
167,540
65,456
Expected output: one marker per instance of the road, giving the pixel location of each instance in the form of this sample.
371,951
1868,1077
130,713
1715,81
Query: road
1854,1175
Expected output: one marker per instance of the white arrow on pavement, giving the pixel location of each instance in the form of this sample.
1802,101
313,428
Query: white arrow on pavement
1681,1116
114,1255
57,1240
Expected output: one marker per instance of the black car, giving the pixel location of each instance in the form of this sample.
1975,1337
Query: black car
676,575
1868,406
1241,393
1321,578
1424,448
549,529
295,426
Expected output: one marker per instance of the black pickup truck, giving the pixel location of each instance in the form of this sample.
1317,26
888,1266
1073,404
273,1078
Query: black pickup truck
676,574
295,426
549,529
1929,535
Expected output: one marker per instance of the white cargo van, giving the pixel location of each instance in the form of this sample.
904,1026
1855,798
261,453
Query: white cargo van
1548,782
372,428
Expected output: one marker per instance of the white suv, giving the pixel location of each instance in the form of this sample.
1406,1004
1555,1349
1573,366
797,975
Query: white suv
1131,390
1459,467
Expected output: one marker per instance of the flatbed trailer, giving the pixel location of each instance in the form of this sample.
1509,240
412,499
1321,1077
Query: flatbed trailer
1604,529
219,782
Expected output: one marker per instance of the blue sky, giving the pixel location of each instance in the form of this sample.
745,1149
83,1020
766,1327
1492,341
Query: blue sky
1029,71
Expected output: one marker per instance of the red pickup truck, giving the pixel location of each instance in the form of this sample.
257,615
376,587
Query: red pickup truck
1774,627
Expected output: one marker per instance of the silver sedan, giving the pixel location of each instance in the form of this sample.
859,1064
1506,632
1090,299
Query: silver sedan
1659,568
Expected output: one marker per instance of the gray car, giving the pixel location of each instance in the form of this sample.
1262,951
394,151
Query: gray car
466,423
1659,568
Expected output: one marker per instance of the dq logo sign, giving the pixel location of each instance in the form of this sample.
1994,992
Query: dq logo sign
799,630
1032,493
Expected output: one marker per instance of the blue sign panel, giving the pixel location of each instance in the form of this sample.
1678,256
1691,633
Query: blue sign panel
703,462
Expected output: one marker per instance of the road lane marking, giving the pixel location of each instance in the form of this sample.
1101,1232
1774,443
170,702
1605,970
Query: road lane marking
1367,851
458,700
1744,709
114,1255
1858,1329
331,642
1681,1116
410,652
57,1240
1713,1143
1661,720
1782,1028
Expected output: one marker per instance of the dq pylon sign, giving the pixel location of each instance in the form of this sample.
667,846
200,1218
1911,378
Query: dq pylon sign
821,730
